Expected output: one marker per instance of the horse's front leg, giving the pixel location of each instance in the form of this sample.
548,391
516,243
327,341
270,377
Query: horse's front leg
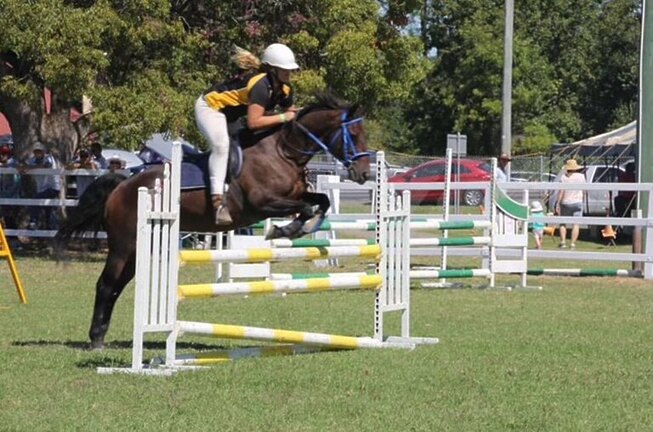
314,220
306,221
282,207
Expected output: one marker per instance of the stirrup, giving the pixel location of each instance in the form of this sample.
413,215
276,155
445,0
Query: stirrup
222,216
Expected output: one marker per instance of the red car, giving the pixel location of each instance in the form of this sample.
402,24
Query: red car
434,171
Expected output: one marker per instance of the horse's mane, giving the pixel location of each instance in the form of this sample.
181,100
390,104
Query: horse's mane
324,101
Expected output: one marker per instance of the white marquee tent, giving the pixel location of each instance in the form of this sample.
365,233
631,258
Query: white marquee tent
618,143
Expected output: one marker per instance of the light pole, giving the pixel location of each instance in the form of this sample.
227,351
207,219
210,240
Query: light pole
644,124
506,136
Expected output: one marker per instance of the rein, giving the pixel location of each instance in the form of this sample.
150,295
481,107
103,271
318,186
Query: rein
349,152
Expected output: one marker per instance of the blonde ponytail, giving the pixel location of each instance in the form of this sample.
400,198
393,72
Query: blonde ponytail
245,60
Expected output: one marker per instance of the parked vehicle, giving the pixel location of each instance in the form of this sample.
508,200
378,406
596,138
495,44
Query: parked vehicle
130,160
596,203
331,166
434,172
158,149
531,176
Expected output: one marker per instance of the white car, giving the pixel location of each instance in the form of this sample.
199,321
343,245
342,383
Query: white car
596,203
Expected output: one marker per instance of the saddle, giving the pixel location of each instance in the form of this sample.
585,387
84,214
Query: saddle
195,168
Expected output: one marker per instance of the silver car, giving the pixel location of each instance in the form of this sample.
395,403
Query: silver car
596,203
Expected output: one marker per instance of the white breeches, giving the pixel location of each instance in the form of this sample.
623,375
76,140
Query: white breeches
213,125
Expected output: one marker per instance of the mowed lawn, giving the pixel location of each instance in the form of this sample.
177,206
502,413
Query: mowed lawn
576,356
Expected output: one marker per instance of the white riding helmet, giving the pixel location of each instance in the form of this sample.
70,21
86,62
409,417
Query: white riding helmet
279,55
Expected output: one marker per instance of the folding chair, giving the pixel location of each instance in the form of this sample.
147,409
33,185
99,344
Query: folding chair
551,232
610,235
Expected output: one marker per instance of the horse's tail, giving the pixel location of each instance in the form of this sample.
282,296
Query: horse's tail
88,215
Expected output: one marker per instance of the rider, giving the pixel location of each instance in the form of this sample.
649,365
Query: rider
259,88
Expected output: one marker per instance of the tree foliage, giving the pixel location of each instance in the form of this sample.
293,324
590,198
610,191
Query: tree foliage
574,72
423,68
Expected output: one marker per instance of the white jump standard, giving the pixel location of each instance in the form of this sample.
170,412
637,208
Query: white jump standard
158,293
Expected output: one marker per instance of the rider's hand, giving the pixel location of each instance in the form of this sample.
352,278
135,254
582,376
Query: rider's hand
290,115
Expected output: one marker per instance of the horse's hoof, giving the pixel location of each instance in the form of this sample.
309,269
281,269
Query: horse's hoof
96,346
313,224
296,234
274,233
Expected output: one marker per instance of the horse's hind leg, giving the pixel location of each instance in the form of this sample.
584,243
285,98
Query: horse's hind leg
118,271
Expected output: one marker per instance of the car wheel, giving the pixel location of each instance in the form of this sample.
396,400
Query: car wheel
473,198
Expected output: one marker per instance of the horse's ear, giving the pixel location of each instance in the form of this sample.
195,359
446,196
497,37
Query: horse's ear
356,111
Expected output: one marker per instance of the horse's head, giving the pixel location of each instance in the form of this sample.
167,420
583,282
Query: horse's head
337,128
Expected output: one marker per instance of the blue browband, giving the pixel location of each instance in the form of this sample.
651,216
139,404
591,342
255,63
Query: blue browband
349,152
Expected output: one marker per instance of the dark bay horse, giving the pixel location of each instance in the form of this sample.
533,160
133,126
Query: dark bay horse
272,183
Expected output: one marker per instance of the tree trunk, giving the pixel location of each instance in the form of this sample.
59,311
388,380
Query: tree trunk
55,130
24,123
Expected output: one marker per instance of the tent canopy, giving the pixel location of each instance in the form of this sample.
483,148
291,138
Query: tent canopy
616,143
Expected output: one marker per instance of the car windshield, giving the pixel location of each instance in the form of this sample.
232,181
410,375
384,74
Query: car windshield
485,167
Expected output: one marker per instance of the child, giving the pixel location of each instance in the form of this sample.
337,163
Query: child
536,226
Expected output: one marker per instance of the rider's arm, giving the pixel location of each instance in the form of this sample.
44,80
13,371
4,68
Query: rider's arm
259,98
256,118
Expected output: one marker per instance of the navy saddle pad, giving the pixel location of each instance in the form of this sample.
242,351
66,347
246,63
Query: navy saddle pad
195,169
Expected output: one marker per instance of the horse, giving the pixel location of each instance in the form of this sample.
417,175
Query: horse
272,183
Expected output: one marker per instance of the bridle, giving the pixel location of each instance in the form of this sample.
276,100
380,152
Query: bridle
349,152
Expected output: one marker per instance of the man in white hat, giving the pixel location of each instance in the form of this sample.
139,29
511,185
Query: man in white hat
501,173
47,185
570,202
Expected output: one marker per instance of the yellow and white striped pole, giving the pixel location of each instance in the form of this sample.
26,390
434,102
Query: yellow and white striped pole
269,254
371,282
286,336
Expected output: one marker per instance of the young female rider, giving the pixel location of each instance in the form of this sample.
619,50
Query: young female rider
255,92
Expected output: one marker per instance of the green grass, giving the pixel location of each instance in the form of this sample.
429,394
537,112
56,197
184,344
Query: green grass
577,356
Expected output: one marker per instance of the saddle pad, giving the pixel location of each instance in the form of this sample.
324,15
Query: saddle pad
195,169
194,175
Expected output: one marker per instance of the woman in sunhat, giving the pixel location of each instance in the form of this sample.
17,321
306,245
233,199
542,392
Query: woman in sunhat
570,202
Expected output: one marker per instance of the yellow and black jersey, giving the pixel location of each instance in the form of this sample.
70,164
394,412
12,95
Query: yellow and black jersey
232,96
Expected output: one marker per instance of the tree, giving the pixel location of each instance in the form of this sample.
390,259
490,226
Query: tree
144,62
46,45
574,71
612,100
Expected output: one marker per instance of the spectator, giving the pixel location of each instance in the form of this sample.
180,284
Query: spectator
115,164
625,200
47,185
501,174
84,161
9,183
96,149
570,202
537,226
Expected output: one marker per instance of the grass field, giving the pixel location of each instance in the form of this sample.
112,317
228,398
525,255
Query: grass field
577,356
